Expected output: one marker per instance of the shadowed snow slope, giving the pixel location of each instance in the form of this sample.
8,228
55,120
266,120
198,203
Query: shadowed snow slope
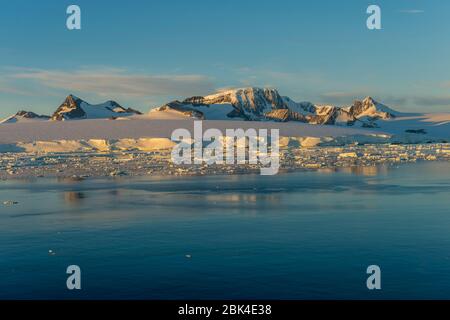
145,134
142,127
25,116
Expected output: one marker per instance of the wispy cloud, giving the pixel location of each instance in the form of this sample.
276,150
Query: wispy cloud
7,88
432,101
340,97
152,89
412,11
112,82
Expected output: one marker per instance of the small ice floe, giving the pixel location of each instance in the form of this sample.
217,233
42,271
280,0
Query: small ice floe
10,203
76,178
188,256
118,173
51,252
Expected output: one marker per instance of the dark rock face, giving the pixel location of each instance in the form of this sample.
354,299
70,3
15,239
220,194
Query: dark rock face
182,108
31,115
274,98
248,102
285,115
195,101
115,107
131,110
69,109
360,107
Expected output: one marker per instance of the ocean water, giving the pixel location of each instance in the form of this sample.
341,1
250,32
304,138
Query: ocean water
306,235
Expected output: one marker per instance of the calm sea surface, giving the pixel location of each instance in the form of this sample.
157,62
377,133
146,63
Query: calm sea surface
293,236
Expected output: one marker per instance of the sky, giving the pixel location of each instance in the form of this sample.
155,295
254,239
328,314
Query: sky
146,53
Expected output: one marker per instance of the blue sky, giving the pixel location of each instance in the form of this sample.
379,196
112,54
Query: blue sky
144,53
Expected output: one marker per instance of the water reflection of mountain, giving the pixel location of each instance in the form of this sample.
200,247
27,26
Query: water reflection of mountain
73,179
74,197
368,171
249,198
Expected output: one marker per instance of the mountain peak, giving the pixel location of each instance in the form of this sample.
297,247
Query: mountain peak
69,109
23,112
24,116
75,108
370,108
247,102
369,99
72,97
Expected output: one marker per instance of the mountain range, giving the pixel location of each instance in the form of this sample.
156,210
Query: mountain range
257,104
74,108
250,104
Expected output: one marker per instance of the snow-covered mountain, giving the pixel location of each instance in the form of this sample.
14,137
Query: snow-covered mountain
25,116
370,108
246,103
74,108
365,121
260,104
263,104
251,104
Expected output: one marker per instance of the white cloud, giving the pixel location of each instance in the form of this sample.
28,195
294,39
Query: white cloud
7,88
344,97
433,101
412,11
110,82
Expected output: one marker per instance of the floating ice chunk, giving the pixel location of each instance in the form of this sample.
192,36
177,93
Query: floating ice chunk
9,203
